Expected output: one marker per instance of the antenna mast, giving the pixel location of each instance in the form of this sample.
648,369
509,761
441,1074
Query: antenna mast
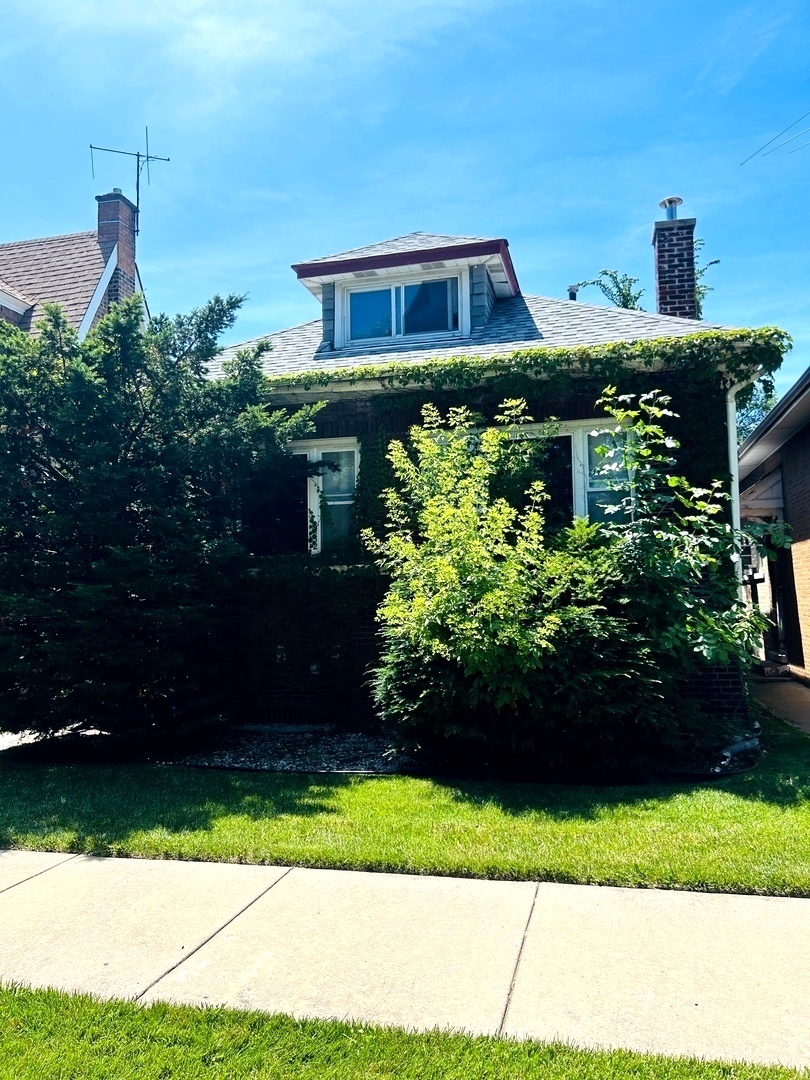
142,161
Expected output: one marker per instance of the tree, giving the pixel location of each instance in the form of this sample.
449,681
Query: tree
618,288
701,290
753,405
124,477
620,291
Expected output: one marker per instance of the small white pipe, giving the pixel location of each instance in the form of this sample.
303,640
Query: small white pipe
734,469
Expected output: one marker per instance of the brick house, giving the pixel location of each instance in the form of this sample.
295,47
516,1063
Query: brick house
391,310
439,318
775,486
82,272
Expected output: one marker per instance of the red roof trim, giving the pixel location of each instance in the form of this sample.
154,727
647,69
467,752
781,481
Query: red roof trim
410,258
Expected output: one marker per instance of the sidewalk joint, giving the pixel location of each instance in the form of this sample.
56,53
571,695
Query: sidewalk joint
68,858
211,936
517,962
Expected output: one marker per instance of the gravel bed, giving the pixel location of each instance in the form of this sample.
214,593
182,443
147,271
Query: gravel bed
289,748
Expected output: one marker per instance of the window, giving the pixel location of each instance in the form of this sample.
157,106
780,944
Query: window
408,308
330,491
575,482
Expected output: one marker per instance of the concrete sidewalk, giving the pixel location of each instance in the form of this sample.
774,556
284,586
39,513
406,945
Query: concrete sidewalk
787,698
664,972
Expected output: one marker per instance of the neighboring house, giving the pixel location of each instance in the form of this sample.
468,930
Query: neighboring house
416,317
82,272
775,486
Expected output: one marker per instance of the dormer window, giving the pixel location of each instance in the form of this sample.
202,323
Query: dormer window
413,307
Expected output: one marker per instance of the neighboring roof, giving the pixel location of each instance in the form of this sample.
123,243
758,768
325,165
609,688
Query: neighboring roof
55,269
16,294
790,414
522,322
415,241
424,250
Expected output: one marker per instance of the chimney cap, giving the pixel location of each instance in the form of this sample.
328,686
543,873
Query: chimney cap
117,191
671,204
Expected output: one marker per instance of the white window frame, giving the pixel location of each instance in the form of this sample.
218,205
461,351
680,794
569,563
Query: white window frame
343,291
578,430
314,449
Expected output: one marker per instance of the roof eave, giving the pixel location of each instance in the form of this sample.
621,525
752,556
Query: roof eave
784,420
317,273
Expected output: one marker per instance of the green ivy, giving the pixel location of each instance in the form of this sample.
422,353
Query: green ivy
738,354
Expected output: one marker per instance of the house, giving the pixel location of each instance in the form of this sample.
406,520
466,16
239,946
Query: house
775,486
443,317
82,272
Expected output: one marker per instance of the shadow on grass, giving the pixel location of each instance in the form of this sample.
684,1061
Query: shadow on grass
98,808
102,806
782,778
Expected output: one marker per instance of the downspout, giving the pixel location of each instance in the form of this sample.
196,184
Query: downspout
734,469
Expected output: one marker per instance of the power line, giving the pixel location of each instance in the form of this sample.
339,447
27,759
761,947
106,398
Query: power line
779,147
773,140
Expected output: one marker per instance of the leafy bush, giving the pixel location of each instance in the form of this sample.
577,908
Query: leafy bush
507,645
125,476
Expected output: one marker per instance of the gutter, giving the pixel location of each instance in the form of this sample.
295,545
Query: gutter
734,469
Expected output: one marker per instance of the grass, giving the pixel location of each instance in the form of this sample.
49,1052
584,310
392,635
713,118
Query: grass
47,1034
748,834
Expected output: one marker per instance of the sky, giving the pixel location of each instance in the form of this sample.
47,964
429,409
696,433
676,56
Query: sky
300,129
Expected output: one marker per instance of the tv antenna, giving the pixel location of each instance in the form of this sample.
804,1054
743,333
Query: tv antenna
142,161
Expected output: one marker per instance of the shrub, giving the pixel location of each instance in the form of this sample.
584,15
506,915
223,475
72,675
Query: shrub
507,645
125,475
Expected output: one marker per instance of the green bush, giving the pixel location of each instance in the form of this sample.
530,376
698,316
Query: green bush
125,478
506,645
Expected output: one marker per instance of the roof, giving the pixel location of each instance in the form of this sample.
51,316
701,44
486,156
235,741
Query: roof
55,269
522,322
431,251
785,419
415,241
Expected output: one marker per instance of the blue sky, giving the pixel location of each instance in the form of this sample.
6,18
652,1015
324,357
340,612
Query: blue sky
297,129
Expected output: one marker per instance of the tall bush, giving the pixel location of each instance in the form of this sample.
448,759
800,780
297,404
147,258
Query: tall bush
125,479
505,644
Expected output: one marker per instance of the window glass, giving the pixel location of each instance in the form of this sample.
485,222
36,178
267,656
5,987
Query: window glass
338,483
338,477
605,487
336,523
370,314
430,307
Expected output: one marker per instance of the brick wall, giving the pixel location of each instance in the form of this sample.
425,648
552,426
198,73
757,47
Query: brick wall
674,244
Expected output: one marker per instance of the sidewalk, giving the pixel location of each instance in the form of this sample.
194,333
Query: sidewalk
787,698
673,973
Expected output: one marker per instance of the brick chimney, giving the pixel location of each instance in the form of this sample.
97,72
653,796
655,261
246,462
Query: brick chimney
674,244
117,222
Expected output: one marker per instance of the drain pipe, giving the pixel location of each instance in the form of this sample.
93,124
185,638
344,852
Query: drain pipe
734,469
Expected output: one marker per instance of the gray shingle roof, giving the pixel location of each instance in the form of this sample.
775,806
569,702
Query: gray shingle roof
521,322
415,241
55,269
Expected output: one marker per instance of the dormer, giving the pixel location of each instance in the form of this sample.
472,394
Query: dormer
414,288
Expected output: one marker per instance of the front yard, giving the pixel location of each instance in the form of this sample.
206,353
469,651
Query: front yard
750,833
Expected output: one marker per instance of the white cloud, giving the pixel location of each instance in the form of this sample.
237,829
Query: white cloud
747,34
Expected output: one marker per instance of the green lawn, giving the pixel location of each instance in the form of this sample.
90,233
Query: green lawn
45,1034
747,834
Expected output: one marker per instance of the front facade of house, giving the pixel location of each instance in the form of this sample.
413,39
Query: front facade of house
442,318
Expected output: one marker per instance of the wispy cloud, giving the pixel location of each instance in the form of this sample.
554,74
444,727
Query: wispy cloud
746,35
